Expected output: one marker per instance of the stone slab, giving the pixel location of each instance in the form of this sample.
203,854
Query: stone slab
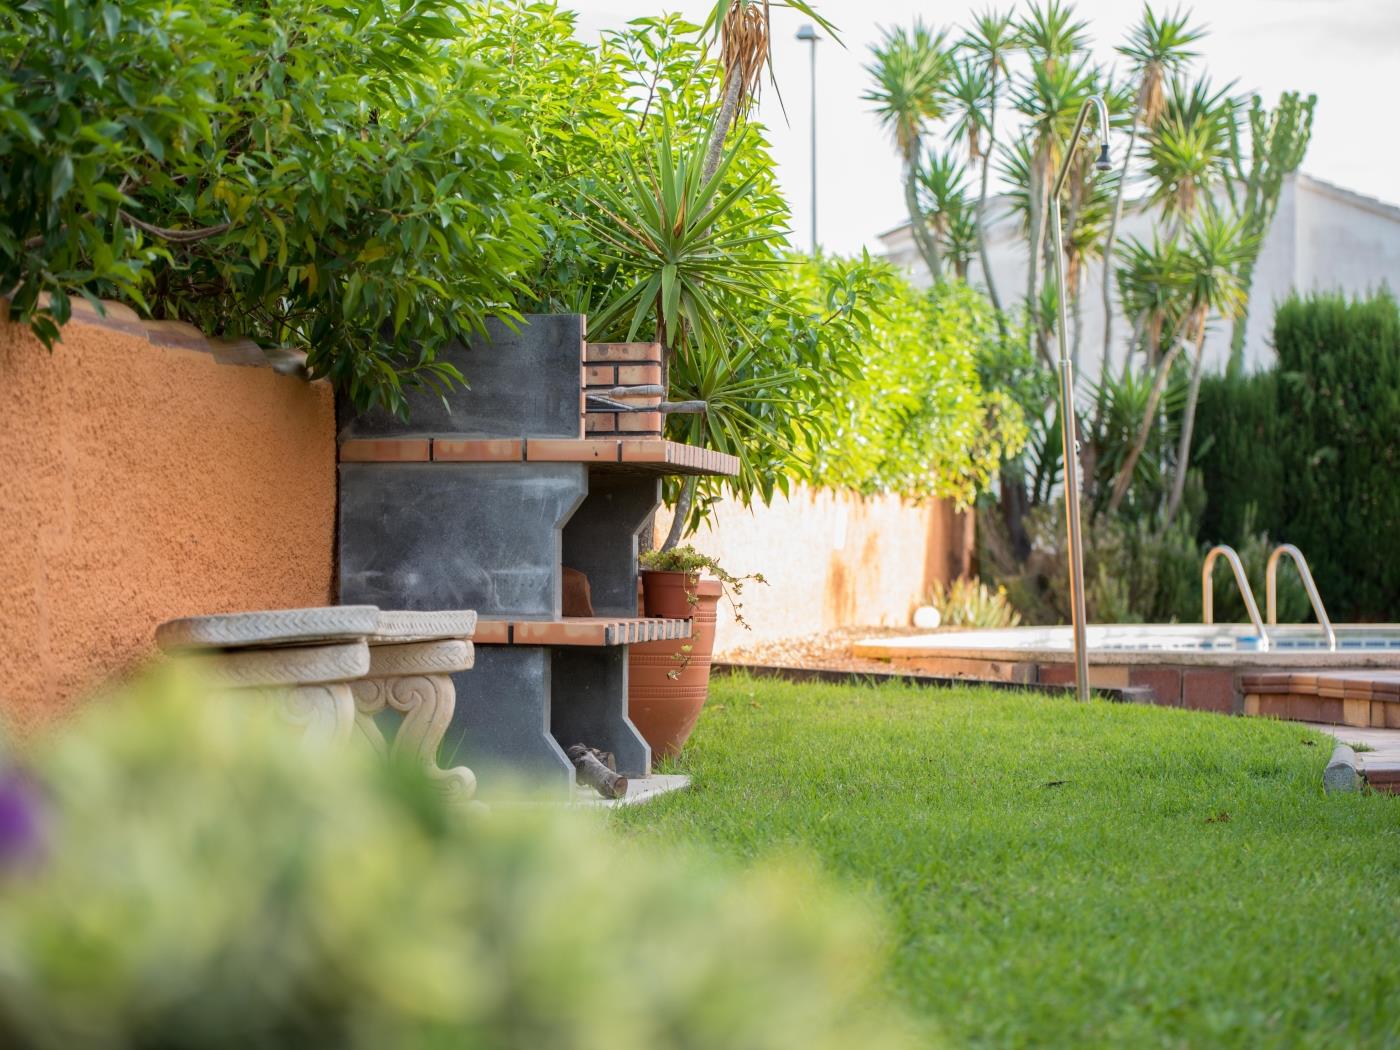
268,627
412,625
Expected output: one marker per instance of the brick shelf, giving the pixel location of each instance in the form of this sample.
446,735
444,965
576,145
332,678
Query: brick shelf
641,456
588,631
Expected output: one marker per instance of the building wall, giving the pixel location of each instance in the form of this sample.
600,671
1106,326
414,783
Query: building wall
1323,238
831,560
143,482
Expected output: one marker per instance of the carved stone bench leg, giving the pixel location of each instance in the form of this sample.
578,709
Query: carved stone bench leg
309,684
415,680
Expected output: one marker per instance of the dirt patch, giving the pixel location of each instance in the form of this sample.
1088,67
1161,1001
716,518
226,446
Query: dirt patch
829,650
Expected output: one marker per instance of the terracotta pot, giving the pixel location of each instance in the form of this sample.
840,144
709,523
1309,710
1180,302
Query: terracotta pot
664,707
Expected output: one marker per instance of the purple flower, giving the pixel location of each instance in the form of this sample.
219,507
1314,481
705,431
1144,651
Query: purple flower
21,835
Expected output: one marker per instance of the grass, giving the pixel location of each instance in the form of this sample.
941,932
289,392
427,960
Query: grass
1057,874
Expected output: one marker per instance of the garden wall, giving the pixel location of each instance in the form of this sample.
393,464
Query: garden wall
832,560
146,476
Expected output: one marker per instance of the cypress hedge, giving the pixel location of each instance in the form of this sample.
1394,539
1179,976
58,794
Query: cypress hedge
1313,446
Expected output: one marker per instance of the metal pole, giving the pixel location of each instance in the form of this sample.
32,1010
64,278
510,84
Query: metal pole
1068,422
809,34
814,144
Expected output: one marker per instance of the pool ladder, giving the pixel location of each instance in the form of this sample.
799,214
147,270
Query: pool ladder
1270,591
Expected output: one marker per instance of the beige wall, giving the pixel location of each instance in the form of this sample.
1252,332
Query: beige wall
832,560
142,482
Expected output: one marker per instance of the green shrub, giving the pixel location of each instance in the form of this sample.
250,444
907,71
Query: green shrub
1240,454
189,876
328,176
1339,398
971,603
1313,446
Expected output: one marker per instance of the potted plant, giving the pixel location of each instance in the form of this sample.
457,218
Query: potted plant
669,681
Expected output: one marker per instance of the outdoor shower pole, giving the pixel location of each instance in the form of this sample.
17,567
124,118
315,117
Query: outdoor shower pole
1068,426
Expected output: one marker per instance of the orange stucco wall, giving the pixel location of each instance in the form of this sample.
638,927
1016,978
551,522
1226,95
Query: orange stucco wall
140,482
832,559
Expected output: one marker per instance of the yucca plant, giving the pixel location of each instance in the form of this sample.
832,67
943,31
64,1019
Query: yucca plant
1157,47
684,246
966,602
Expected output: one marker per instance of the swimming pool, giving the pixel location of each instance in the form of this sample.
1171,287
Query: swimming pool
1189,665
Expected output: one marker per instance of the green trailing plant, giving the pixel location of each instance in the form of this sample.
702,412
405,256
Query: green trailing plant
338,179
686,559
1278,142
179,872
967,602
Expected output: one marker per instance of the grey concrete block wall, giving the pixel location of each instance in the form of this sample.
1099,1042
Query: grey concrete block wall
483,536
590,706
600,540
523,383
501,725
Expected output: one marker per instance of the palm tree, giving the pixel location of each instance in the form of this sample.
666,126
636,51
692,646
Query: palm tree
1051,34
1153,281
942,185
990,40
1156,47
744,31
911,71
1049,96
1216,247
1189,148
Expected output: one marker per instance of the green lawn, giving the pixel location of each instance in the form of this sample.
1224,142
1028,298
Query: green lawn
1059,874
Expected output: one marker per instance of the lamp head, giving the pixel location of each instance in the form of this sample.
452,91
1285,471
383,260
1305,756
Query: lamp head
807,32
1103,163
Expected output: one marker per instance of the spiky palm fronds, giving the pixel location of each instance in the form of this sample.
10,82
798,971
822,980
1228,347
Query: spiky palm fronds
991,39
682,244
1184,158
744,31
969,91
1051,33
942,185
1050,96
911,71
1156,48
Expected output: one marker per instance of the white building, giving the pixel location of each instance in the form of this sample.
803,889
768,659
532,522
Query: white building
1323,238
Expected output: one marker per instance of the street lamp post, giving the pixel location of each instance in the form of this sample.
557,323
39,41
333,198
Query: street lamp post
809,34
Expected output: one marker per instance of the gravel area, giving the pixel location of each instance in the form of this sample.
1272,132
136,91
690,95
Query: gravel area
829,650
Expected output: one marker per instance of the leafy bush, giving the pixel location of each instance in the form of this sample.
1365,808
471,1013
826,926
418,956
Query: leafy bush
971,603
914,417
329,176
180,873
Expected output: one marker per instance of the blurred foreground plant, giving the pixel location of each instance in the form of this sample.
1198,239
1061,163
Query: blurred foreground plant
194,878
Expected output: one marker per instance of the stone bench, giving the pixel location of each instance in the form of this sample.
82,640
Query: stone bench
332,670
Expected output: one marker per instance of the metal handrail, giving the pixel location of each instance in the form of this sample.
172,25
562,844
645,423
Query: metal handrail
1271,590
1241,581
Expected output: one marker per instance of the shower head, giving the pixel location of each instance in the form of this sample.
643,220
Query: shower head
1103,163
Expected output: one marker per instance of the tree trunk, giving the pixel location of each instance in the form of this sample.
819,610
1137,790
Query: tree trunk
923,240
682,511
1188,424
728,109
1037,232
982,209
1124,477
1237,332
1108,281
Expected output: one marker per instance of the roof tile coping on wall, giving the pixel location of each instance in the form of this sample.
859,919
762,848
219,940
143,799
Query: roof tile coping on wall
178,335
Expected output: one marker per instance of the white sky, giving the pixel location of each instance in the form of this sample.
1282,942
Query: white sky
1346,51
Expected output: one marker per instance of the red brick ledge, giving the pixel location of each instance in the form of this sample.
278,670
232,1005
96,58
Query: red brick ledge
588,631
645,455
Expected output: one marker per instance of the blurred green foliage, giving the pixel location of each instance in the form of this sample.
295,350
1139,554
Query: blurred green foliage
201,880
